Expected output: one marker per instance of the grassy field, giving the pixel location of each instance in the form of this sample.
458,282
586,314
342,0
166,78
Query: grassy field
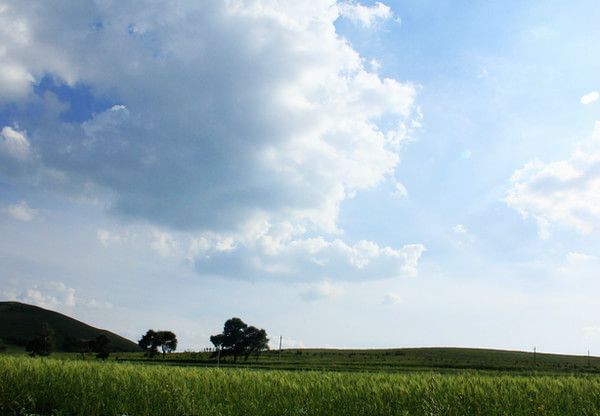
393,360
63,387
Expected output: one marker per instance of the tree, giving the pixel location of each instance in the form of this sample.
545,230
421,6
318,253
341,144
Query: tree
256,341
100,346
43,343
166,340
148,343
2,345
240,339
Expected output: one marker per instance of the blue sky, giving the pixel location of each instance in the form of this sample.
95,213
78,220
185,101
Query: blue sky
342,174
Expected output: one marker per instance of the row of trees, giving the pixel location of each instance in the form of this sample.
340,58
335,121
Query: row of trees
237,339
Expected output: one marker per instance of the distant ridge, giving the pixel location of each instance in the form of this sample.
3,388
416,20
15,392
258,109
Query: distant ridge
20,322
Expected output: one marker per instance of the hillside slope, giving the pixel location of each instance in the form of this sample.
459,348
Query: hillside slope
20,322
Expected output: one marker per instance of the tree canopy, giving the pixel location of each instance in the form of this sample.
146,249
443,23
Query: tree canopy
100,346
152,340
239,339
43,343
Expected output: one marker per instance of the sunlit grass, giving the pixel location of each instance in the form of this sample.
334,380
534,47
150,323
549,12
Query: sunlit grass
44,386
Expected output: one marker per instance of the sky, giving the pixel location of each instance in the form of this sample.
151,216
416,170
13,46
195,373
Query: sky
341,174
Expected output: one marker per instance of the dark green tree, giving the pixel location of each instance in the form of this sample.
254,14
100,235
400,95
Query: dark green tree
165,340
2,345
256,341
240,339
100,346
43,343
78,345
148,343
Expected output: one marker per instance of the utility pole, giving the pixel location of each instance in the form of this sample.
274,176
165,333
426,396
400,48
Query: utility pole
534,353
280,339
219,357
589,362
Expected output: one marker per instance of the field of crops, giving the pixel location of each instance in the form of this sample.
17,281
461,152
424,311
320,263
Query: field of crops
390,360
58,387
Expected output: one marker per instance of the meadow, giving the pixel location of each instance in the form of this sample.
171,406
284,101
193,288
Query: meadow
52,386
389,360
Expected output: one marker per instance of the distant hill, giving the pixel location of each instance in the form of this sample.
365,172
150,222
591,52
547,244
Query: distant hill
20,322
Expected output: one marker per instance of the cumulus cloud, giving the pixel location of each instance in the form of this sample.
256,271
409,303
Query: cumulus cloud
52,295
14,143
590,97
226,110
564,192
21,212
221,113
282,252
366,16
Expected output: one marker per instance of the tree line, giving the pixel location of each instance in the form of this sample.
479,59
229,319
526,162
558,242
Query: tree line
238,339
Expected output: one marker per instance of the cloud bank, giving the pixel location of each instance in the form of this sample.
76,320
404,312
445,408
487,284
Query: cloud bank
218,115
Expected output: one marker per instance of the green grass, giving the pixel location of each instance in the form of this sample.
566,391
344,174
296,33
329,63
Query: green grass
395,360
44,386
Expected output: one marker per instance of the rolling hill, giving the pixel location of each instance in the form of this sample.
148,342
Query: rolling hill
20,322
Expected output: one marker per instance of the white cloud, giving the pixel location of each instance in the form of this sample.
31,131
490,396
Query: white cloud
249,108
459,229
21,212
27,50
164,244
224,113
366,16
14,143
565,192
400,190
15,79
321,290
284,253
52,295
391,298
590,97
